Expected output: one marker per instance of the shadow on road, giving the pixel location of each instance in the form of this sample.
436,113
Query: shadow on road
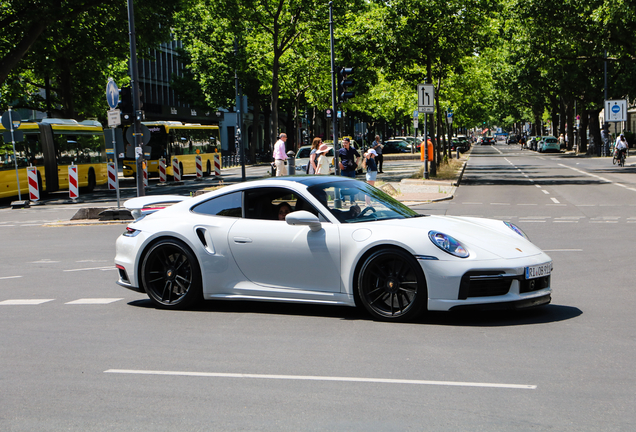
540,315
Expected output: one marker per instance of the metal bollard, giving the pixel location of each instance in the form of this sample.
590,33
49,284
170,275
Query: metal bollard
291,163
457,152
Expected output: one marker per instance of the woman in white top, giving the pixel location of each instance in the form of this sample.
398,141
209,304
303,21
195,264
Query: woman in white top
323,162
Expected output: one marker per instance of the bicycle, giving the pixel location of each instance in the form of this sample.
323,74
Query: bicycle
618,156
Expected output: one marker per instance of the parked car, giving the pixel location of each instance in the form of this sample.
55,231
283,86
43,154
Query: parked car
369,250
411,141
549,144
395,146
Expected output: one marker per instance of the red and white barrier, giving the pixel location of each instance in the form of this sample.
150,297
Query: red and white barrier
145,167
73,184
176,173
112,176
217,164
34,187
162,170
199,165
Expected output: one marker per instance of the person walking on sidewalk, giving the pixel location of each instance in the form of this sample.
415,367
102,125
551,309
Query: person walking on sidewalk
377,146
280,157
349,159
372,167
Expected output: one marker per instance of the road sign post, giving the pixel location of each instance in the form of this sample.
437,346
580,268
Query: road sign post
114,120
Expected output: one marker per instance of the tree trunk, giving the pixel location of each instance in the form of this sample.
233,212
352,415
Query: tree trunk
273,131
582,132
569,116
595,129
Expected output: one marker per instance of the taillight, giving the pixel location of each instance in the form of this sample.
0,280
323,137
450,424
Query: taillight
131,232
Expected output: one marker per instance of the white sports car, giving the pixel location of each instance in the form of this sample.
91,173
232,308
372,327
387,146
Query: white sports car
320,239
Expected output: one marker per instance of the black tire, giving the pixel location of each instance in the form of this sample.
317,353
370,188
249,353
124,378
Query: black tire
170,275
391,286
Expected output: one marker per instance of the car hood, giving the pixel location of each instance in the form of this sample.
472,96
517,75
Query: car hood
477,234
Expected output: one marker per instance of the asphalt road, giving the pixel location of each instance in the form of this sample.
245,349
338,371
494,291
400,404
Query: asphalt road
79,353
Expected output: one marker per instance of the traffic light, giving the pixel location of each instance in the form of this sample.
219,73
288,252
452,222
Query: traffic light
345,84
126,105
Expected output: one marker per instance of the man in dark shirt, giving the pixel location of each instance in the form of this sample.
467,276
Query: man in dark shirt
349,159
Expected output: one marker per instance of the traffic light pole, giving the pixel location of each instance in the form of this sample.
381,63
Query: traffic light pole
334,116
134,83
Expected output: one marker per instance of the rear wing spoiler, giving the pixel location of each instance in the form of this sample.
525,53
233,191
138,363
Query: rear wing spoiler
146,205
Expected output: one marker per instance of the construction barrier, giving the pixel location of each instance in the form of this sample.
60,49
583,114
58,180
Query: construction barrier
34,187
145,167
162,170
73,184
112,176
176,173
217,164
199,165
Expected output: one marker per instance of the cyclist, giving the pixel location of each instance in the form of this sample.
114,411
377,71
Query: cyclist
621,147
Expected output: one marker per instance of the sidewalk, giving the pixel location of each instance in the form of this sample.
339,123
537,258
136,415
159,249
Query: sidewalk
397,181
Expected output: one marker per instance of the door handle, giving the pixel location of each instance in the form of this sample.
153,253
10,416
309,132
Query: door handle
242,240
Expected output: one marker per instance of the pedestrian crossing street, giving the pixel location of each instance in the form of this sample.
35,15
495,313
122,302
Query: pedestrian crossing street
36,302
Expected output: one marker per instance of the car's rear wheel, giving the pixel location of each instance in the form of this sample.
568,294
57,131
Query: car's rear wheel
391,285
170,274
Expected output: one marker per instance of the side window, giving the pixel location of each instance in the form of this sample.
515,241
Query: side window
273,203
226,205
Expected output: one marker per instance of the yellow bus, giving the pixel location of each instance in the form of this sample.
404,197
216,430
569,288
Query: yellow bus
170,139
52,145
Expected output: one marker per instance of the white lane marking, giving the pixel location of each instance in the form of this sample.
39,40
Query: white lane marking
556,201
528,204
585,205
10,277
539,186
6,226
320,378
587,173
29,225
545,191
534,217
499,203
94,301
25,301
562,250
621,185
92,268
44,261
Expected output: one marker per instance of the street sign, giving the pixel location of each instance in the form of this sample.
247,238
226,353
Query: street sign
415,123
11,117
416,114
112,94
616,110
114,118
426,98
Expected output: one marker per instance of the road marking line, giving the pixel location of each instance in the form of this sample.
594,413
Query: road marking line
621,185
94,301
539,186
545,191
320,378
499,203
528,204
556,201
44,261
92,268
10,277
25,301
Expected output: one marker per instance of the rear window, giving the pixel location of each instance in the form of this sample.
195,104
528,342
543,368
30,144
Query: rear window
551,140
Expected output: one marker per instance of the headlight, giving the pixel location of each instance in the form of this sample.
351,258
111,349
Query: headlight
448,244
516,229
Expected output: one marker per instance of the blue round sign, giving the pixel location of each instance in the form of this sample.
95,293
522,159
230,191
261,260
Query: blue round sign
616,109
112,94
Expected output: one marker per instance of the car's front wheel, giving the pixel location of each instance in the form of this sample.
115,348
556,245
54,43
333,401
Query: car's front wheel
391,285
170,274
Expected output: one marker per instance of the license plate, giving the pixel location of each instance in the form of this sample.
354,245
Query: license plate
538,271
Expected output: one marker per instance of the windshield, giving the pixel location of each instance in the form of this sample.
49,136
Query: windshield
356,201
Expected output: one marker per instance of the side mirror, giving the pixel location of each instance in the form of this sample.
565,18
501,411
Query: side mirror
303,217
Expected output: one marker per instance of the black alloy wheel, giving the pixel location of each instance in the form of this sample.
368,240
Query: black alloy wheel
170,274
391,285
